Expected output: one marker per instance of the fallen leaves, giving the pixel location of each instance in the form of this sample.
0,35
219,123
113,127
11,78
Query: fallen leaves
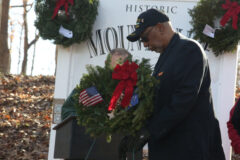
25,116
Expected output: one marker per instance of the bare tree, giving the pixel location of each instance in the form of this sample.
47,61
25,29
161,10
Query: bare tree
19,50
27,45
5,58
34,53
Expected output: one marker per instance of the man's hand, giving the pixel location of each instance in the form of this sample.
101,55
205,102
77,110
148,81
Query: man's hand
133,143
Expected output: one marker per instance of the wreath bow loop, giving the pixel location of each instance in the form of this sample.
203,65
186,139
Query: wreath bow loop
128,79
233,9
61,3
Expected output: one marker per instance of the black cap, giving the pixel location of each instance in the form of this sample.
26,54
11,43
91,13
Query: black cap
146,19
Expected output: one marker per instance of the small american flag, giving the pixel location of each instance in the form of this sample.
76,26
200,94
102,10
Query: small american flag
90,97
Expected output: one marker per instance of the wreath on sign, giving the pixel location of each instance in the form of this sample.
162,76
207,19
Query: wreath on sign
126,98
221,16
65,21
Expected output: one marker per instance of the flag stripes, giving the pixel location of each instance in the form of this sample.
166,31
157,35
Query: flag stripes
90,97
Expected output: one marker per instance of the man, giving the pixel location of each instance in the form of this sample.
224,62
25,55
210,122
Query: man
183,125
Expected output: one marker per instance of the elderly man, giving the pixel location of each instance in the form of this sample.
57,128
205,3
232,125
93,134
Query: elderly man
183,125
118,56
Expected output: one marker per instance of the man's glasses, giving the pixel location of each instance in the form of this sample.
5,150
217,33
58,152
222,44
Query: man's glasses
144,38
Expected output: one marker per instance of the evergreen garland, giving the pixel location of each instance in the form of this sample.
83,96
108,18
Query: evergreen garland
82,15
210,12
125,121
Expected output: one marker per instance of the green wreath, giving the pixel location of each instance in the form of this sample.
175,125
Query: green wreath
78,19
209,12
126,121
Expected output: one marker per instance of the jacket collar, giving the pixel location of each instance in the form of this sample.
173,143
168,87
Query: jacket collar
162,58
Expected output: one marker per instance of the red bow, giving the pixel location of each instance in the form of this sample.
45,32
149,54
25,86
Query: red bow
128,76
233,9
61,3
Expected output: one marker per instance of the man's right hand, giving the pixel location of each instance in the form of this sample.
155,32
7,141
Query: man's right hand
133,143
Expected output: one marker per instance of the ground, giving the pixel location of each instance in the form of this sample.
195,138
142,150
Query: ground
25,116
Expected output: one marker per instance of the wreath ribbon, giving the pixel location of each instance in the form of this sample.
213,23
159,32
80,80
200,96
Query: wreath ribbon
59,4
233,9
128,76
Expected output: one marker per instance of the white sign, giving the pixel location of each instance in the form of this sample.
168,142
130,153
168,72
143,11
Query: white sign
65,32
111,28
209,31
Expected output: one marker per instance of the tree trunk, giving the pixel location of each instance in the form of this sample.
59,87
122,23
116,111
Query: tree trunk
25,49
26,45
34,54
5,58
19,51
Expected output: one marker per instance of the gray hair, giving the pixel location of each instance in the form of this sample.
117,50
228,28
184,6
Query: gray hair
120,51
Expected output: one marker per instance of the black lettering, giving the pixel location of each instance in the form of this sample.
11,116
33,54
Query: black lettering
172,9
179,30
93,47
136,6
147,7
114,39
130,29
140,8
128,7
167,9
155,7
139,45
162,9
120,33
189,34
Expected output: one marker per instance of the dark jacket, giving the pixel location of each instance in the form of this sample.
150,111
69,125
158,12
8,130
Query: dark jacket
183,125
234,127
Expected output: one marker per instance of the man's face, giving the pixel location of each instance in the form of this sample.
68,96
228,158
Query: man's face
152,39
117,58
